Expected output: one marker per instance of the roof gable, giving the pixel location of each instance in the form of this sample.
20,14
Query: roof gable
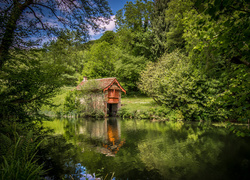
115,81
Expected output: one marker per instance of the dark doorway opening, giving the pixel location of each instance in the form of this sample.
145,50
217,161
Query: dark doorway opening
112,109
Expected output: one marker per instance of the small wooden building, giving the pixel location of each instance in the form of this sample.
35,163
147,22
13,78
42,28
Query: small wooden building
109,100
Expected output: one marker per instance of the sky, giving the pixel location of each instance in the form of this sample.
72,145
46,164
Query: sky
115,6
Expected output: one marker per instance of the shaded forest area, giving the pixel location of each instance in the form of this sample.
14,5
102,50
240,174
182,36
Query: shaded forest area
191,56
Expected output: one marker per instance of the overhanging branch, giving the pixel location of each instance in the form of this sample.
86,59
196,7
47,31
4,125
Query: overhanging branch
37,18
49,9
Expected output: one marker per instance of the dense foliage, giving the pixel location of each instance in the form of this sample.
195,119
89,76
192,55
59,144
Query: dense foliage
208,77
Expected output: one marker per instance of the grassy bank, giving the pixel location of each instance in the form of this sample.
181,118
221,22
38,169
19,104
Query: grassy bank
140,107
58,101
141,103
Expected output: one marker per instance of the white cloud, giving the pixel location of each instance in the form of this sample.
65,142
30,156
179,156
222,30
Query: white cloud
107,27
111,25
91,32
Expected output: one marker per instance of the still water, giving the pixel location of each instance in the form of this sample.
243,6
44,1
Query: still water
140,149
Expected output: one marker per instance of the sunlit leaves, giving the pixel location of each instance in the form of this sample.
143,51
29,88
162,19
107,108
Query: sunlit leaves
99,61
175,83
134,28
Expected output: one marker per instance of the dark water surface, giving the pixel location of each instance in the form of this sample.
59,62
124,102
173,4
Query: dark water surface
140,149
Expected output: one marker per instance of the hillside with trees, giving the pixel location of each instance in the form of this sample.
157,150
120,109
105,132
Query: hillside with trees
193,58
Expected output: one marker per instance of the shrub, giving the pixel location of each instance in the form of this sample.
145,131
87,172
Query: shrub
174,83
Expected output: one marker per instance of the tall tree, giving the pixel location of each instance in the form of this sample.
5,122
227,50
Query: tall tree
25,21
133,22
174,15
135,16
159,27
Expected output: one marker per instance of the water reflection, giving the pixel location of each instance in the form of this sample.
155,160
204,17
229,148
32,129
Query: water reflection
152,150
107,131
113,140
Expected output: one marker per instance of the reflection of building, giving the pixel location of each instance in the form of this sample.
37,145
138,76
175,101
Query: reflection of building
109,132
113,139
109,100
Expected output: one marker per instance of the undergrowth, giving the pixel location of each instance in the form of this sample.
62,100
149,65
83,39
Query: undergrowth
18,160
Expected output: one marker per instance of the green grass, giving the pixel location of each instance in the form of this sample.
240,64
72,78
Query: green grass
141,103
142,107
58,100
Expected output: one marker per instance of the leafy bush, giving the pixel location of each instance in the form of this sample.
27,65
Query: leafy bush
176,84
125,113
192,94
70,103
234,101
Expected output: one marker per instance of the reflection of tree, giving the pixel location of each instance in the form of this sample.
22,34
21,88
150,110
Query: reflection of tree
58,154
152,151
186,157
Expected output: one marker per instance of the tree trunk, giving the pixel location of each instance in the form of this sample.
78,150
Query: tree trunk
10,28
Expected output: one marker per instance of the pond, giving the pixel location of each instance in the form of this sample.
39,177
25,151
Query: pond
140,149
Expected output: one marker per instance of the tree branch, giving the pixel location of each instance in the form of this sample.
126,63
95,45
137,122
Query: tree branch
49,9
245,62
37,18
239,58
6,11
72,2
239,9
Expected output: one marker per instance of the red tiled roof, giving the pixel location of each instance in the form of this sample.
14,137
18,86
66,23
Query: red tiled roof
103,83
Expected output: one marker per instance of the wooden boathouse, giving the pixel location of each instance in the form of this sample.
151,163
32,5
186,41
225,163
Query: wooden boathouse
107,96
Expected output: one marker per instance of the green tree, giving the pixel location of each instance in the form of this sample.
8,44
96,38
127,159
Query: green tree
174,15
175,83
232,19
159,27
135,16
30,79
109,37
30,74
219,29
217,37
66,55
133,22
128,69
99,61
